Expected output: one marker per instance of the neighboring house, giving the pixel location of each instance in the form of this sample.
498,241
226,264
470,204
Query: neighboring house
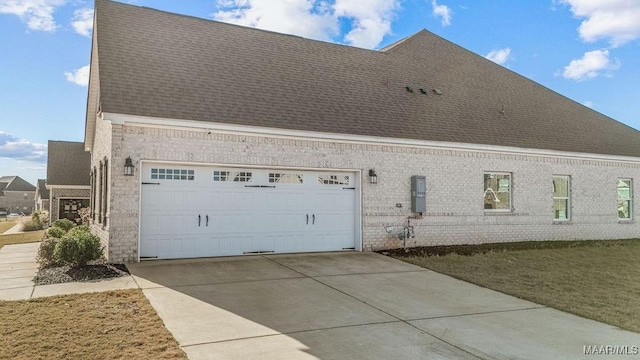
42,196
246,141
16,195
68,179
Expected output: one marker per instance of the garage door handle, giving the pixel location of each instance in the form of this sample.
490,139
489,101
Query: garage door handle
307,219
199,220
207,219
314,219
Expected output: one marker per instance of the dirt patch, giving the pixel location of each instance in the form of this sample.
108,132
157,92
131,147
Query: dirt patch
63,274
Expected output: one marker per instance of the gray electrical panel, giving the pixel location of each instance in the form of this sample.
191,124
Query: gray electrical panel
418,193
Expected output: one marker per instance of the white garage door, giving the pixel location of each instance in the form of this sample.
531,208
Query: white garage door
196,211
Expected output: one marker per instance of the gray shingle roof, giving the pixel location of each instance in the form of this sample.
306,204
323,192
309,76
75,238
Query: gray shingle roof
68,163
42,189
158,64
15,183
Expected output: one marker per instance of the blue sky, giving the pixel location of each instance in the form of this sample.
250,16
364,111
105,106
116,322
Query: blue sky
586,50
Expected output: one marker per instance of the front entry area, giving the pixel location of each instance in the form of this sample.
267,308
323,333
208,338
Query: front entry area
206,211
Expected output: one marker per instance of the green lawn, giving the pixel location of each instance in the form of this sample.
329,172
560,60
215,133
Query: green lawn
28,237
594,279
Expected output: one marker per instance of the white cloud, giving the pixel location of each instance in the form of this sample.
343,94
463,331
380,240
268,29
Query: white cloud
83,21
298,17
443,12
371,20
588,104
500,56
316,19
12,147
616,20
79,76
592,64
37,14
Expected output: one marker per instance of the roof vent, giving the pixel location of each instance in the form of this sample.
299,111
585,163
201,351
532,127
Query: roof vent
423,91
408,89
437,91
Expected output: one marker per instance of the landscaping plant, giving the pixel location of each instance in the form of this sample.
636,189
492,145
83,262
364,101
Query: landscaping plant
77,248
64,224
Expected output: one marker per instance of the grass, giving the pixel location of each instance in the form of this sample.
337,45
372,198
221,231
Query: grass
28,237
108,325
592,279
6,225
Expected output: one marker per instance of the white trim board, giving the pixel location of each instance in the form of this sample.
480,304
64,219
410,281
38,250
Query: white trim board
192,125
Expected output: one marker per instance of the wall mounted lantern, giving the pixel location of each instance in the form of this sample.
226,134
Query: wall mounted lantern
373,177
128,167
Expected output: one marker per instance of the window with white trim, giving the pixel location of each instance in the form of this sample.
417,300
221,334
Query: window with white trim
285,178
172,174
561,198
235,176
333,179
497,191
625,199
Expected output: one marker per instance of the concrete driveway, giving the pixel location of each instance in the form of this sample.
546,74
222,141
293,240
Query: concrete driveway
355,306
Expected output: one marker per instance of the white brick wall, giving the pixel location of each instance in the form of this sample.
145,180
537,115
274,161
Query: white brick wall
455,212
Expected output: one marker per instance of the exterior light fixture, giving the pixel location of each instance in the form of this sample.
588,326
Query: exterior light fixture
373,177
128,167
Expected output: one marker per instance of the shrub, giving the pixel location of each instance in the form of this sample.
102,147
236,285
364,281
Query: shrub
55,232
85,216
79,229
45,252
31,225
35,219
64,224
77,248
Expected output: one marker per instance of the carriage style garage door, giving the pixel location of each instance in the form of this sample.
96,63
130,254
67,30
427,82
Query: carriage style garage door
198,211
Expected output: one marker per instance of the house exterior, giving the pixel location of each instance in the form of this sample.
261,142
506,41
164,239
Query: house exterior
68,179
42,196
245,141
16,195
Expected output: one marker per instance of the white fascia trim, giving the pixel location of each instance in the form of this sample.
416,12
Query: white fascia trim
144,121
79,187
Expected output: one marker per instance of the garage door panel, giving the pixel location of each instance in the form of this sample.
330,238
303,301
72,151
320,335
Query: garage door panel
244,217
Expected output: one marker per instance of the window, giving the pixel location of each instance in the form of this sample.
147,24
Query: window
497,191
625,199
237,176
172,174
285,178
105,192
561,194
100,192
93,193
331,179
25,196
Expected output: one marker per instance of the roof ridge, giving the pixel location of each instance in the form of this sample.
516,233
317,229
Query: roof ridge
402,41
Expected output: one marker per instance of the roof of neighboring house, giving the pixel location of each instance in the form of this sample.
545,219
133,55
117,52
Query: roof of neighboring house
15,183
162,65
42,190
68,164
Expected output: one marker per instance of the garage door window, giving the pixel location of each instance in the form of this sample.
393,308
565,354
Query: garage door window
236,176
285,178
332,179
172,174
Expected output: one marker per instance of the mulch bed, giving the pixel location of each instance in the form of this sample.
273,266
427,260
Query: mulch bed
66,273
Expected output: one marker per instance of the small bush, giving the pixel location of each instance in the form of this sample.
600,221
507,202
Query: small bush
64,224
31,225
36,222
45,252
78,248
79,229
55,232
85,216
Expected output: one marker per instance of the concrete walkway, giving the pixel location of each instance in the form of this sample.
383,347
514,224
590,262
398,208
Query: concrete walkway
334,306
355,306
18,266
16,229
